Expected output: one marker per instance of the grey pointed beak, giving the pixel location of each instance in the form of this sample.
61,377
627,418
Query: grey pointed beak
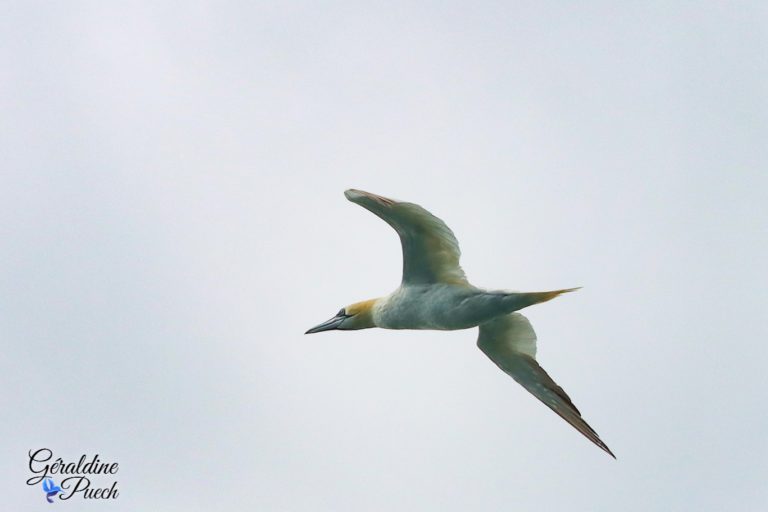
329,325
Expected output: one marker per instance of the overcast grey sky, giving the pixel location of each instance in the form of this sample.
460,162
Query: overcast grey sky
172,221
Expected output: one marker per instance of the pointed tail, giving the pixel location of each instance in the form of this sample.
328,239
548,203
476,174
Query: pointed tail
523,300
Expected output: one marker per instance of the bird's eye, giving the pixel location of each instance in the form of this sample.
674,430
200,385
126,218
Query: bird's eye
341,312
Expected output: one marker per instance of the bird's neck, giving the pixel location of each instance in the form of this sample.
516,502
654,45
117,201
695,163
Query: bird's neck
362,312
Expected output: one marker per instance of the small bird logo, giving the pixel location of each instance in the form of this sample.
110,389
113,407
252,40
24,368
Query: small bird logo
50,489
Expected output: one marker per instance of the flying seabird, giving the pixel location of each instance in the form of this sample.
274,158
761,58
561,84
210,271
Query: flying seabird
435,294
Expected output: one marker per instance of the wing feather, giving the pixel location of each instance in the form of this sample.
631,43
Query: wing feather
510,342
430,250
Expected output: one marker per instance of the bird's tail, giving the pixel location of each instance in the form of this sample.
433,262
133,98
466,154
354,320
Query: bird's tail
523,300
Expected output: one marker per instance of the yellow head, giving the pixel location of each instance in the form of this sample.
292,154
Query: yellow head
355,316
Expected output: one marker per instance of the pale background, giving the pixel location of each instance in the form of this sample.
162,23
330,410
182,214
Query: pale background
172,221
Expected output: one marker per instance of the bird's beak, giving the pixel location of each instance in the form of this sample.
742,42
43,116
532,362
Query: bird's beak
329,325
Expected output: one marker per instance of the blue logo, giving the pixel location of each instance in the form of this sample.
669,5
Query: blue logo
84,477
50,489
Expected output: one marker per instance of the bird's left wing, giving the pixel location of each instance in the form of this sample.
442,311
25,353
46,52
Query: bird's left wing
430,250
510,342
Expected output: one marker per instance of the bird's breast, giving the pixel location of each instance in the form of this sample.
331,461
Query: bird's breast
440,307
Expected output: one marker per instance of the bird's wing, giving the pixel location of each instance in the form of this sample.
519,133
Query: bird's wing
509,341
430,250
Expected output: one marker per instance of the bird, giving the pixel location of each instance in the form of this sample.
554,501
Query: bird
435,294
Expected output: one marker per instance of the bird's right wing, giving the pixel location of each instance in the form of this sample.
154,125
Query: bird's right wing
510,342
430,250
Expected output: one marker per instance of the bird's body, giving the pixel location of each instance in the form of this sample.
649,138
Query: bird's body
444,307
435,294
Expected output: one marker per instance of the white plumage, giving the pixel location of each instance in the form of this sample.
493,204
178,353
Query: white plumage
435,294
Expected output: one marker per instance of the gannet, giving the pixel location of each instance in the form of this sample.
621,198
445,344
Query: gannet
435,294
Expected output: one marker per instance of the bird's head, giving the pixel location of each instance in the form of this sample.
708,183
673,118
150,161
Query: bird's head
355,316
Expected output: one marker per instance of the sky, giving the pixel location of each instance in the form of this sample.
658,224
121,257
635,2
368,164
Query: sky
172,220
